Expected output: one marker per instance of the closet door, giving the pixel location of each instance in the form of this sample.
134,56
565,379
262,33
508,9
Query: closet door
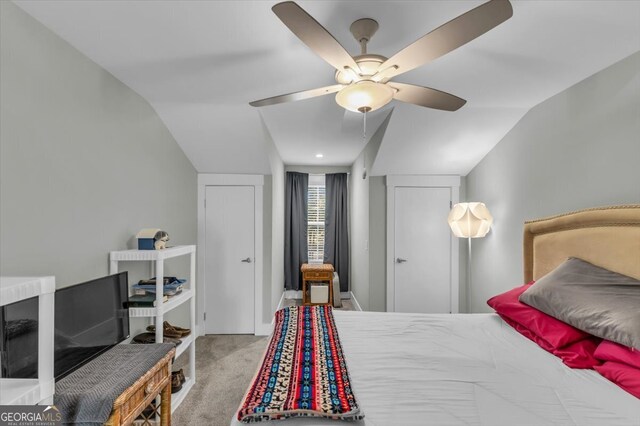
422,258
229,260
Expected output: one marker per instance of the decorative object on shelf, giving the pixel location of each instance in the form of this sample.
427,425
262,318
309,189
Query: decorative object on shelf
470,220
146,238
160,240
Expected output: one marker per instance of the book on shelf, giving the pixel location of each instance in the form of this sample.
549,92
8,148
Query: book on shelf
144,301
170,290
165,281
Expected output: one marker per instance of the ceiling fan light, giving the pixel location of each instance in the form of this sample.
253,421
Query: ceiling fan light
364,96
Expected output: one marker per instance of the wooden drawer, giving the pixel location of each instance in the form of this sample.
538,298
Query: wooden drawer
317,275
133,400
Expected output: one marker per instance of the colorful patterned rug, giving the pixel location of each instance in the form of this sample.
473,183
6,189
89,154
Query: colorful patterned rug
303,371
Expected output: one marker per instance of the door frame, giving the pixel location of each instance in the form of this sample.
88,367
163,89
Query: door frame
424,181
257,181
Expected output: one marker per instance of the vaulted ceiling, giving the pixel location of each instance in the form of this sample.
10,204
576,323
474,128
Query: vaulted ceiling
199,63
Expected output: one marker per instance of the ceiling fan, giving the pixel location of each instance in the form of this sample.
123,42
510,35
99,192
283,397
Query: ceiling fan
364,81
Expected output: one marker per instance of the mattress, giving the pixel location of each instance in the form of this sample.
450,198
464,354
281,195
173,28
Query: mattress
417,369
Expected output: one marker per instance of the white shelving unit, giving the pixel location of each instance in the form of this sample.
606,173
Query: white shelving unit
40,390
157,313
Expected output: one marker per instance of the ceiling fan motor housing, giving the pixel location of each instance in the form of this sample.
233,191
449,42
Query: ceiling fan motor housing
368,64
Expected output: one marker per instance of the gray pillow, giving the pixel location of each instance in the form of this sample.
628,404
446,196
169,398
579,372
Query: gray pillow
590,298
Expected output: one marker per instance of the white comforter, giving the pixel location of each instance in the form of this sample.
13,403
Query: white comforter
415,369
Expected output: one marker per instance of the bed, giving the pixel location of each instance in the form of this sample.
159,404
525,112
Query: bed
420,369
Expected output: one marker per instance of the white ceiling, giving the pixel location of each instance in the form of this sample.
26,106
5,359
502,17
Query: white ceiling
199,63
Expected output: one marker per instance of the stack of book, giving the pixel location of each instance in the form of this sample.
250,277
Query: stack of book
168,290
144,300
144,293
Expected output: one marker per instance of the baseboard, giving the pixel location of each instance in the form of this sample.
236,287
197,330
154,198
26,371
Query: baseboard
280,304
293,294
297,294
355,302
264,329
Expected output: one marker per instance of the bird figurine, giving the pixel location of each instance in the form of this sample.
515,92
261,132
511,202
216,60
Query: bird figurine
160,240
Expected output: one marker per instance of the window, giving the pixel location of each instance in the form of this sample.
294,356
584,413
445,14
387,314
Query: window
315,218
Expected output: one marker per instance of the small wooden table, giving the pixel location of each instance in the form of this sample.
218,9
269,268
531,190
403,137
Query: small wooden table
125,377
130,404
316,272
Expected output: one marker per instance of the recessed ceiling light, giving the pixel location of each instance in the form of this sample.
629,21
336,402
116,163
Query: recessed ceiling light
319,155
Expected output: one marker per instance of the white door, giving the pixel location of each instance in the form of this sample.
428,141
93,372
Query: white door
229,260
422,257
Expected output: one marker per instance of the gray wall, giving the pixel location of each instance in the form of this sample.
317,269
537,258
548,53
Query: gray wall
359,212
85,162
267,242
274,229
277,246
377,243
578,149
359,233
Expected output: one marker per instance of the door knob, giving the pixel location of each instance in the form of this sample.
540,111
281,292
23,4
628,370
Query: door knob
400,260
247,260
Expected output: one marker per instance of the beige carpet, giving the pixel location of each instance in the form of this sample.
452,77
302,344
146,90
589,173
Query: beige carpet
225,365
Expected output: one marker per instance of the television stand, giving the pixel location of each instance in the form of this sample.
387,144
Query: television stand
126,377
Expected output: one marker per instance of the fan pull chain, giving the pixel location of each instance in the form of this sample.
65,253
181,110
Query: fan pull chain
364,126
364,140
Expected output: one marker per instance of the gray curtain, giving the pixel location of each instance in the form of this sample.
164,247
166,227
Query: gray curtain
336,233
295,228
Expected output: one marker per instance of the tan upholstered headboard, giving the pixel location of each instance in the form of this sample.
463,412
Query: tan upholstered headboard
605,236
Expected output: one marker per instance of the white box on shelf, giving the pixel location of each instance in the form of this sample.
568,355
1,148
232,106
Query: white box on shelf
319,293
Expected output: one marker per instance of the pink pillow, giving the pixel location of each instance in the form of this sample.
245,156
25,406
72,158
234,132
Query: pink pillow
610,351
556,333
575,355
528,333
580,354
625,376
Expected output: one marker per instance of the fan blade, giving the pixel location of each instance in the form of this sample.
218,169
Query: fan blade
297,96
449,36
314,35
426,97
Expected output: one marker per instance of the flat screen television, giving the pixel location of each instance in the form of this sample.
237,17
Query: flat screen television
90,318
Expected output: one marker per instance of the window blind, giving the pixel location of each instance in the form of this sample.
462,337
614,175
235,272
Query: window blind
315,222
